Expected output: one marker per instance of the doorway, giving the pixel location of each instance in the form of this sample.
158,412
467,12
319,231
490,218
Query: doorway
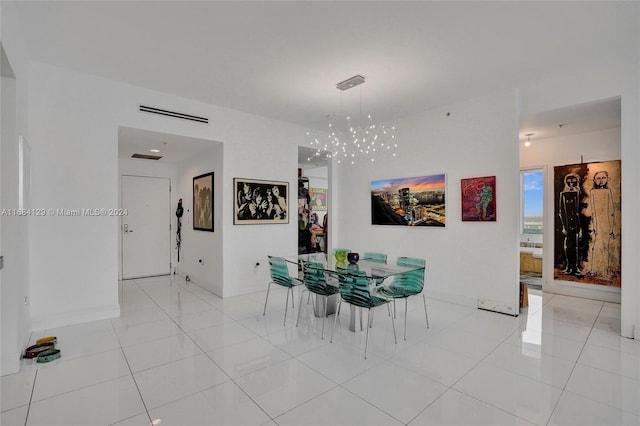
313,201
146,226
584,133
532,226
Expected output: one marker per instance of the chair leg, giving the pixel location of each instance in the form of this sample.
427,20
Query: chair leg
366,340
300,307
265,300
335,320
324,317
292,305
393,326
405,317
424,300
315,303
286,305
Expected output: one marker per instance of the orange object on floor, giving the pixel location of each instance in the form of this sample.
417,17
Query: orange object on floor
524,295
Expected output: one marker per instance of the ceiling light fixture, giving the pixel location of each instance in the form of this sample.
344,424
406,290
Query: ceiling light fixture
154,150
527,143
349,141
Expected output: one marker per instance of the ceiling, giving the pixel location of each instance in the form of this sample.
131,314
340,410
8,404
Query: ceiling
282,60
173,148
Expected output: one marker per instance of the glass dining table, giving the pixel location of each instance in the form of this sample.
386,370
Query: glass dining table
376,272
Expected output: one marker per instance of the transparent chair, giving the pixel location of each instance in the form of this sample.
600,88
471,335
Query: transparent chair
354,290
315,281
280,275
375,257
406,285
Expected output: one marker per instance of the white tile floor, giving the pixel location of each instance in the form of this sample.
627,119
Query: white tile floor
179,355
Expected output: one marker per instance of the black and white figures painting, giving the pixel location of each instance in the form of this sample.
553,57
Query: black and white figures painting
203,202
260,201
587,223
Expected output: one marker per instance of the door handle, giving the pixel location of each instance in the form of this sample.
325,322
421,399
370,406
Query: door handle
126,228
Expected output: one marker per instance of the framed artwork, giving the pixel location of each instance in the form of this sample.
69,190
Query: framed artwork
415,201
260,201
318,198
587,231
203,202
478,199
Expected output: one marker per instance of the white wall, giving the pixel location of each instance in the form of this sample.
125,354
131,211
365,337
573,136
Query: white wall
547,153
202,245
473,263
608,81
14,246
74,125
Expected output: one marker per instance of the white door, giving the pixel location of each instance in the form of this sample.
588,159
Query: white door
146,233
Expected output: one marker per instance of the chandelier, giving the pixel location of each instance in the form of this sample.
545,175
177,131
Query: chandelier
350,140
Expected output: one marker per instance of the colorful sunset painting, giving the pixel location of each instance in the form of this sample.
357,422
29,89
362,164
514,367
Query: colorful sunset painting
414,201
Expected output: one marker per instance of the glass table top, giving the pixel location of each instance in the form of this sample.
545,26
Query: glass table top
370,268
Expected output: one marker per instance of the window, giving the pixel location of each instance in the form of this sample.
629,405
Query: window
532,195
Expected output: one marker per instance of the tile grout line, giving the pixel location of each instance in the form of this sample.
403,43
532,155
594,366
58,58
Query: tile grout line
231,379
451,387
564,388
33,388
132,375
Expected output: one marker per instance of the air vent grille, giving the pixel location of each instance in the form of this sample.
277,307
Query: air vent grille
174,114
146,156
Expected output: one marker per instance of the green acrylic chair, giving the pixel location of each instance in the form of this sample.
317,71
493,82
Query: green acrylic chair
375,257
406,285
378,258
354,290
280,275
315,281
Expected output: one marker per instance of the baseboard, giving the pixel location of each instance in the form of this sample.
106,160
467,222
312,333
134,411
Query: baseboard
631,331
450,298
45,322
499,307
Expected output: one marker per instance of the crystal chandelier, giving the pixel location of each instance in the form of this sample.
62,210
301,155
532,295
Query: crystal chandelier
348,141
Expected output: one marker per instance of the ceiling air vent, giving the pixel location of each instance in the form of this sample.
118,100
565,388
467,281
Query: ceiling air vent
174,114
147,157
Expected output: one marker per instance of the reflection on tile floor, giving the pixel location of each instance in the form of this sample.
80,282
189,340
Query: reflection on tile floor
179,355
